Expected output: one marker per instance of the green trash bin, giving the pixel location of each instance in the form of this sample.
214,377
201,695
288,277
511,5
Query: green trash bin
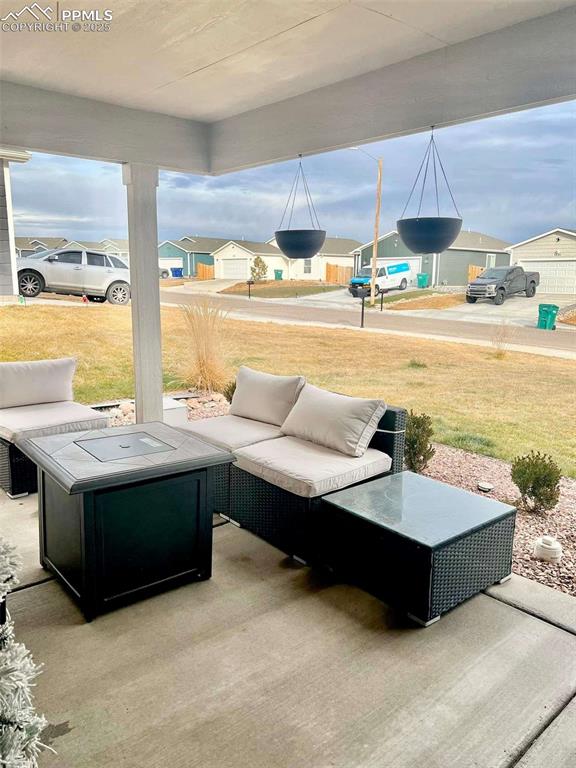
278,274
547,316
422,278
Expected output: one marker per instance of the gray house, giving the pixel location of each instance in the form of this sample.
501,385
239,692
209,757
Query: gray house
471,249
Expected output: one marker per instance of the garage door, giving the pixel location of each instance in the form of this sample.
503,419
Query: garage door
415,266
556,276
235,269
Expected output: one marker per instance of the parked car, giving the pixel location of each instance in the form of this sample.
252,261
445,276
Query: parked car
497,283
163,273
95,274
388,277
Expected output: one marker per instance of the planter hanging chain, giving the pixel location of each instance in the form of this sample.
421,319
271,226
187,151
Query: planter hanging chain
431,151
292,196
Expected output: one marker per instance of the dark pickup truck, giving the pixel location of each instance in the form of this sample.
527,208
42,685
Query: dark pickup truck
497,283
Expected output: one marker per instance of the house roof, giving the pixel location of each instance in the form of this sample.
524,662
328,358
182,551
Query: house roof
341,246
467,240
49,242
570,232
478,241
203,244
121,244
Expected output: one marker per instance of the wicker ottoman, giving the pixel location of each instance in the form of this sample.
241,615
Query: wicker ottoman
416,543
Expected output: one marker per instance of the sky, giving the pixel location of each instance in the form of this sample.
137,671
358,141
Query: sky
513,176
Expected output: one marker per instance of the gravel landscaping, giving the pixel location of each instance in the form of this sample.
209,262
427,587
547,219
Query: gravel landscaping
465,470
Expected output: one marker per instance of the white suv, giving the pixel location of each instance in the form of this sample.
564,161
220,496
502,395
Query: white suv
94,274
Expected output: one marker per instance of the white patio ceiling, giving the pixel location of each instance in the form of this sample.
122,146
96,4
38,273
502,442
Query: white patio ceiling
215,85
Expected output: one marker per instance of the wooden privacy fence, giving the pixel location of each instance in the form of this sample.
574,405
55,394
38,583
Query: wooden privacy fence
204,271
473,271
338,275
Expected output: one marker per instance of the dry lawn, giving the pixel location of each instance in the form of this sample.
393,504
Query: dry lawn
437,301
281,289
498,407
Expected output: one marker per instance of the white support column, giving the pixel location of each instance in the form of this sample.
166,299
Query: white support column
8,273
141,182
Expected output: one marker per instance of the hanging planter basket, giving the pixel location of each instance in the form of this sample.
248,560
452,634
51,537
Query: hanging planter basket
429,234
300,243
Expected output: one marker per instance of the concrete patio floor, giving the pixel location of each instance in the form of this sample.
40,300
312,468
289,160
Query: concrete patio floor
269,666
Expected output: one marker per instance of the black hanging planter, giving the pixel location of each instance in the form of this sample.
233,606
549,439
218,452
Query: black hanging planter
429,234
300,243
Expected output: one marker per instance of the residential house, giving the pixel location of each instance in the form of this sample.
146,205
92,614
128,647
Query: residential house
116,247
553,255
451,267
234,259
26,246
188,252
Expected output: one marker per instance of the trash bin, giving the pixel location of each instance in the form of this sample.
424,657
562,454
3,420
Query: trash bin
278,274
547,316
177,271
422,278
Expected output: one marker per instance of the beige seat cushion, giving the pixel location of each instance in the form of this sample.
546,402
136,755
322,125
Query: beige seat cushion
264,396
48,419
37,381
231,432
345,424
307,469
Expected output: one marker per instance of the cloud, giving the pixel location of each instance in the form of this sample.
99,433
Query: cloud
512,176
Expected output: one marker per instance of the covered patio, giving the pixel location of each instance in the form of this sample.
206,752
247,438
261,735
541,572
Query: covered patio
270,663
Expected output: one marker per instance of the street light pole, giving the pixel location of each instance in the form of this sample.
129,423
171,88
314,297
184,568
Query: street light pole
376,233
374,265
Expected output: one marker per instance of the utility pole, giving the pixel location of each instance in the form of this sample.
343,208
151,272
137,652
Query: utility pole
376,233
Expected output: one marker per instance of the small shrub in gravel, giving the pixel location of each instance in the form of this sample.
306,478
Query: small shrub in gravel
418,449
229,389
538,479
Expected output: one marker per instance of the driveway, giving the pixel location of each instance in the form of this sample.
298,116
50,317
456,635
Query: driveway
516,310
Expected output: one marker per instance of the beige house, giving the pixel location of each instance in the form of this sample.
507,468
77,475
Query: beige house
553,255
234,259
26,246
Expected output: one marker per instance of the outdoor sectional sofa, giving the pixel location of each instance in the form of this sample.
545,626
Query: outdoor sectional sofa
36,399
294,443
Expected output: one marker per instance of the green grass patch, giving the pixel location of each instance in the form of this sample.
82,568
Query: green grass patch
416,364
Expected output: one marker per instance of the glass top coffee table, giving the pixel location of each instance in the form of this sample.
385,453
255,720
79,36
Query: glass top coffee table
418,543
125,512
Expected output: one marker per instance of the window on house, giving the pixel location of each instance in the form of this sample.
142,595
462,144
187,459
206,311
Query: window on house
307,266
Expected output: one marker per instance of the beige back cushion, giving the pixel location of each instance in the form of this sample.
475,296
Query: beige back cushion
265,397
345,424
37,381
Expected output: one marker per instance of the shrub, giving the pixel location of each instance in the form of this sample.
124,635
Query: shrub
205,367
418,450
538,479
416,364
229,389
259,269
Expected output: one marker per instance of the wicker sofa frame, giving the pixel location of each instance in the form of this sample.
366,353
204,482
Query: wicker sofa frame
18,475
284,519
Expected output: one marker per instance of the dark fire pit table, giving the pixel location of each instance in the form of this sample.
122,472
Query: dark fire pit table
125,512
416,543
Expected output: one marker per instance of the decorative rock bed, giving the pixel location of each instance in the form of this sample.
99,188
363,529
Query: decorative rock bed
465,470
457,467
